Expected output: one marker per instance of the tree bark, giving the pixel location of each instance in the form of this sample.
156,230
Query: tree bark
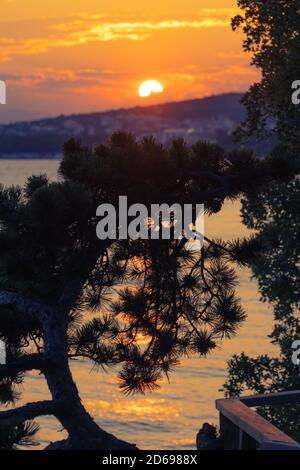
83,432
24,364
30,410
66,404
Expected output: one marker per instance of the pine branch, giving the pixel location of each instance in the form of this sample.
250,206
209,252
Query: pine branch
23,364
25,306
31,410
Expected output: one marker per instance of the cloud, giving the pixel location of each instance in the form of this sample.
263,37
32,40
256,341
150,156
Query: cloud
82,29
141,30
217,12
198,80
48,78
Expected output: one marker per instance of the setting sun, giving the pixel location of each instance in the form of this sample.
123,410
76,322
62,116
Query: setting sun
150,86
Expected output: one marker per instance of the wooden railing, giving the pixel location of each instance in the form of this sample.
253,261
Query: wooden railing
243,429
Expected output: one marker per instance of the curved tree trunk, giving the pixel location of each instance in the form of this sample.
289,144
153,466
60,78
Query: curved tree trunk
83,432
53,362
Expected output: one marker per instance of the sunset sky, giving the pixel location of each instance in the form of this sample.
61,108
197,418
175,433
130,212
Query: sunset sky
68,56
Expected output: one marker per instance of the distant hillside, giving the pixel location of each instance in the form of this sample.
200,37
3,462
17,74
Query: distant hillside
213,118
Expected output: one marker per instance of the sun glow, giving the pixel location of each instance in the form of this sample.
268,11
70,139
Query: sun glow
150,86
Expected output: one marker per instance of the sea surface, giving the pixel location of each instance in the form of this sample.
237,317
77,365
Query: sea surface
170,417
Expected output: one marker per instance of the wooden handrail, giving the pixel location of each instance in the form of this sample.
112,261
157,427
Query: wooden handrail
243,428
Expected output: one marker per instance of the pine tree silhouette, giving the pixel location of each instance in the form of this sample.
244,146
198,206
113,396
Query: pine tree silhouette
65,294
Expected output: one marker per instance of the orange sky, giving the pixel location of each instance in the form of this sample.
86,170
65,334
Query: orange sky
65,56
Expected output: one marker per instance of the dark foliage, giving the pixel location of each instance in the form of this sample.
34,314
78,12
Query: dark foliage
271,30
139,304
275,214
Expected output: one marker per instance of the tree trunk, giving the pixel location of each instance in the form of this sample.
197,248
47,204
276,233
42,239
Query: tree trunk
83,432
